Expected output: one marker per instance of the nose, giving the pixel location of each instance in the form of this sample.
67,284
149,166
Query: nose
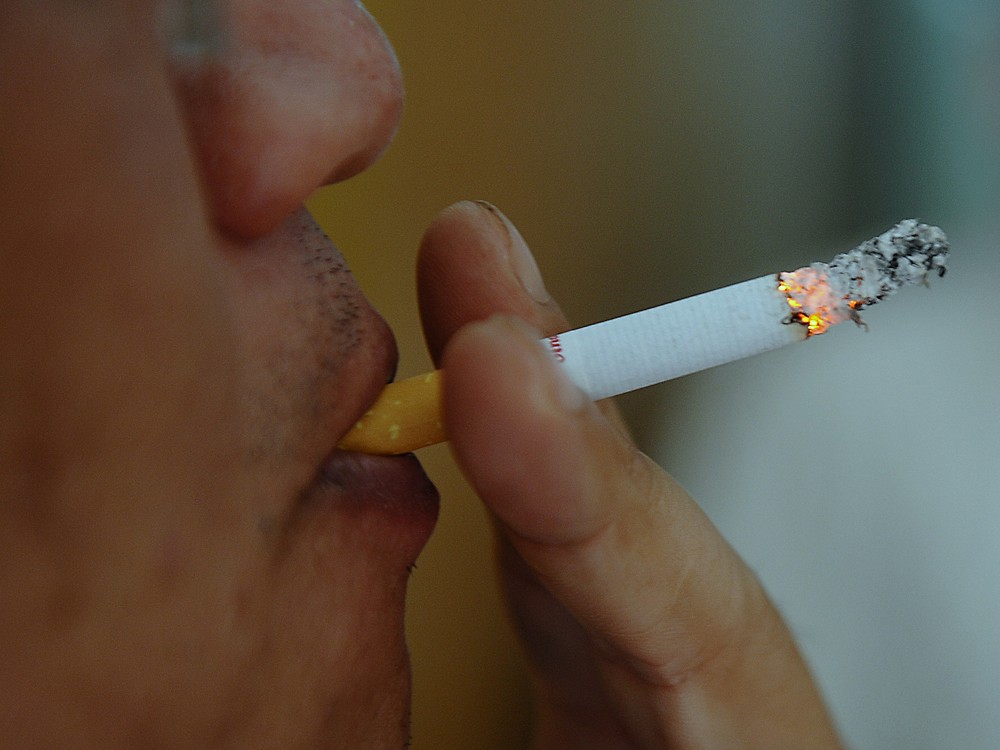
296,94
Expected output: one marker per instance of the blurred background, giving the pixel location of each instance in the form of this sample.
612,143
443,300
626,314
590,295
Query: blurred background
653,150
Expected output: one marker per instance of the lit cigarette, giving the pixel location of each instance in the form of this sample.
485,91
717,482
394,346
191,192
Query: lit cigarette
693,334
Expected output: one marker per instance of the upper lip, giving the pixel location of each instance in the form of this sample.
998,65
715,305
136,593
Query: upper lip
373,380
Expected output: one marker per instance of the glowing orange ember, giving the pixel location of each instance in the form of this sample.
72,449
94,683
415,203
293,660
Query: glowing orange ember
810,298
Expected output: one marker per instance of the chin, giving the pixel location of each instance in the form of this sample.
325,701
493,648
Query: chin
373,713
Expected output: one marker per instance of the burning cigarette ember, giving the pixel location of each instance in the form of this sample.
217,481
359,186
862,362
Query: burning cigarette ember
824,294
679,338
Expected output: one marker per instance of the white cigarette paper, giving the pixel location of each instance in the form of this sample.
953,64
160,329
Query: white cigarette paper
693,334
676,339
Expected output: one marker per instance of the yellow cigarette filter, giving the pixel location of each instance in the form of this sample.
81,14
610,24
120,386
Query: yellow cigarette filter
405,417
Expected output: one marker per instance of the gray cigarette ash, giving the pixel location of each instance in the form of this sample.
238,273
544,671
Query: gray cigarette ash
878,268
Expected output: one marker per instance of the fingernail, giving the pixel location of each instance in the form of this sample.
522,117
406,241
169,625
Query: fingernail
522,262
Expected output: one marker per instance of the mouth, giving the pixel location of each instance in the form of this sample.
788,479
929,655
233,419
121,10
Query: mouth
389,495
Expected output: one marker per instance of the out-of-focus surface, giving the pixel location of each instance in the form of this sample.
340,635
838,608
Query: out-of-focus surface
861,478
657,150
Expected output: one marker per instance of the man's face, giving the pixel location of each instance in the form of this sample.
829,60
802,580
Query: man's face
187,559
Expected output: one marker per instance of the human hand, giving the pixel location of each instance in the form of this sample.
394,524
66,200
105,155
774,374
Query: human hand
643,627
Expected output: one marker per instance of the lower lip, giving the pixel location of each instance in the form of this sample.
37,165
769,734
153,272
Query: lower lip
393,491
